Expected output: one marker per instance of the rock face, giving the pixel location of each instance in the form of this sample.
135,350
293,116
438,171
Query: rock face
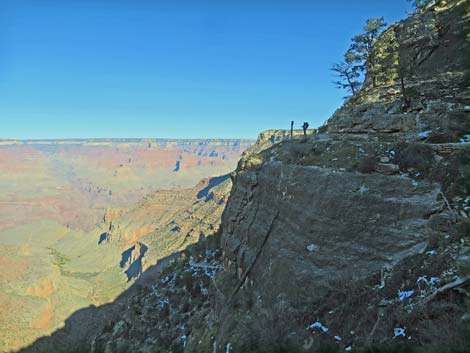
431,48
273,215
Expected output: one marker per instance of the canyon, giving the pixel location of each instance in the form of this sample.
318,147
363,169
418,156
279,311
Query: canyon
75,228
351,237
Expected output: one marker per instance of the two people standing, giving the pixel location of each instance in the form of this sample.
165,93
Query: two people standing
304,127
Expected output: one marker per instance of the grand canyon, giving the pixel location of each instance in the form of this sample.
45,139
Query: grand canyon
347,232
81,219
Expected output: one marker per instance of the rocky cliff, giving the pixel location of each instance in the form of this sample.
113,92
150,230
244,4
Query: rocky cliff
423,85
359,235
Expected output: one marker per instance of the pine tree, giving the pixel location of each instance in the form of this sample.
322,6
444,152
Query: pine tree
347,73
421,5
361,50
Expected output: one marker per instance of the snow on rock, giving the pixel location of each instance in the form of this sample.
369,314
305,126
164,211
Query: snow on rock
228,347
312,247
399,332
465,139
424,133
183,340
431,252
319,325
363,189
432,281
422,279
338,338
402,295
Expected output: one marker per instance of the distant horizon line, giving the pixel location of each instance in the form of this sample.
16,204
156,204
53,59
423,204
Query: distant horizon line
126,139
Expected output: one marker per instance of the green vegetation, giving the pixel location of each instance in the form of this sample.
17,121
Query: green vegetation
60,260
362,47
348,74
421,5
361,58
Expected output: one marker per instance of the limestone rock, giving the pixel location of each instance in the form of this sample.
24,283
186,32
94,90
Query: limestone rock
387,168
432,46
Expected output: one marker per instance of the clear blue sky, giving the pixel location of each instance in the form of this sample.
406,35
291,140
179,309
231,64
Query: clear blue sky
127,68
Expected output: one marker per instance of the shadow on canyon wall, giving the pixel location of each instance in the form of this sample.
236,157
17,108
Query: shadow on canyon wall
212,183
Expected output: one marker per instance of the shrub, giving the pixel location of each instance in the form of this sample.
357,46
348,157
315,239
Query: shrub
367,165
297,150
418,156
443,137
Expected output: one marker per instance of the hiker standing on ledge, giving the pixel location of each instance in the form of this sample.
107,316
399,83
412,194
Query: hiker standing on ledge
305,127
291,128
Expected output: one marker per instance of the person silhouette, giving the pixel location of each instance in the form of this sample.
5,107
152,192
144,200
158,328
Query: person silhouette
305,127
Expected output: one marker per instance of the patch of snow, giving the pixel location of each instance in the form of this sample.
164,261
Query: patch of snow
163,302
465,139
399,332
449,272
183,339
363,189
312,247
166,279
392,152
319,325
431,252
338,338
348,349
424,133
228,347
402,295
414,183
422,279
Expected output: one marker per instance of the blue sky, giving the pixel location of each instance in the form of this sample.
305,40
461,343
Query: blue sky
173,69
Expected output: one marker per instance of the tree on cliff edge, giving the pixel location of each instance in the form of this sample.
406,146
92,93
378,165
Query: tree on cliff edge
421,5
348,74
361,50
360,59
